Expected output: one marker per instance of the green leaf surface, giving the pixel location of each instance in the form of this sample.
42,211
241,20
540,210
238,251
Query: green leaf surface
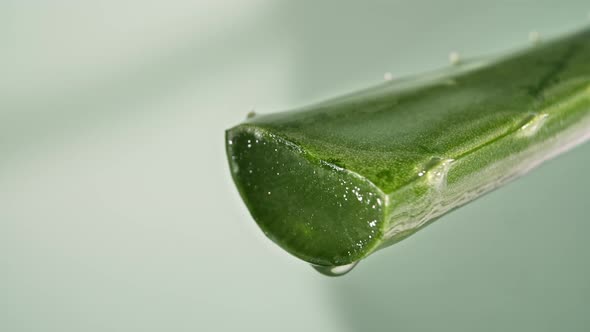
333,182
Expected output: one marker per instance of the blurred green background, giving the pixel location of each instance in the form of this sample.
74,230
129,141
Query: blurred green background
117,210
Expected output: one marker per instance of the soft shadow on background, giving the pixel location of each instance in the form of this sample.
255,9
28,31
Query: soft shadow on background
117,210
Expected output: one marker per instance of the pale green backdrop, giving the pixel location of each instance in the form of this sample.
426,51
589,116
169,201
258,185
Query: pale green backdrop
117,211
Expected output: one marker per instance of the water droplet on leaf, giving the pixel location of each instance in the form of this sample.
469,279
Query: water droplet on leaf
334,271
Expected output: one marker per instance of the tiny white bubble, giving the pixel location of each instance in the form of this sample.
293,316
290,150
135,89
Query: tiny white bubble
269,192
230,142
454,58
534,36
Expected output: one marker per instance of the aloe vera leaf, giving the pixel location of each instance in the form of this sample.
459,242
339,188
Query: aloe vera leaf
333,182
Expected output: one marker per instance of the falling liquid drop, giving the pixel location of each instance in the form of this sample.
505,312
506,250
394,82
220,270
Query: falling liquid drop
335,271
